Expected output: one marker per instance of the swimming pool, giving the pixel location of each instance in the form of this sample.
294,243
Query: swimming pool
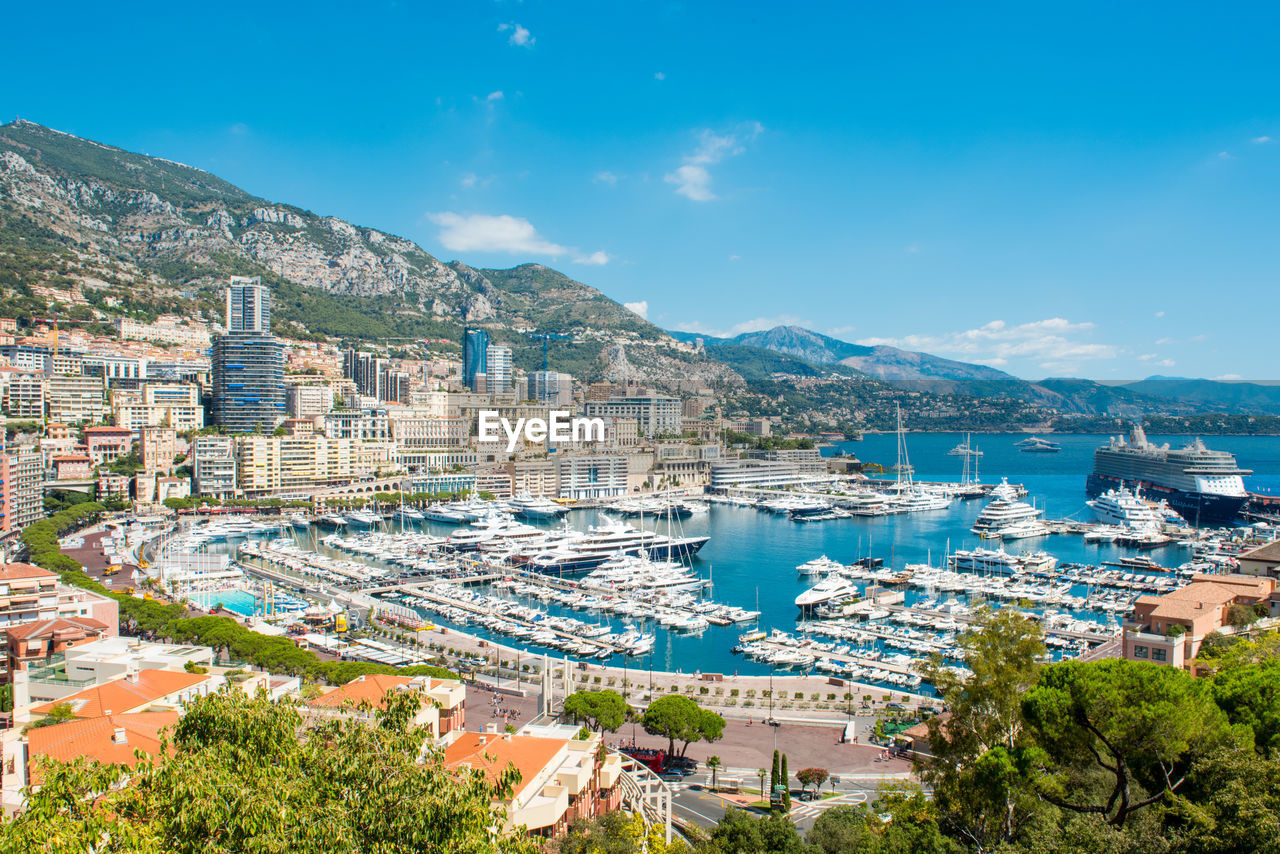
244,602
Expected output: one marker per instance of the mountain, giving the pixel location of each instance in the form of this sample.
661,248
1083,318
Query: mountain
1242,397
141,235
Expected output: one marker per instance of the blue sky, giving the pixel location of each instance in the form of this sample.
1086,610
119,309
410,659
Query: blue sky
1053,189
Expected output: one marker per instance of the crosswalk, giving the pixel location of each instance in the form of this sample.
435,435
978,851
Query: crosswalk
812,809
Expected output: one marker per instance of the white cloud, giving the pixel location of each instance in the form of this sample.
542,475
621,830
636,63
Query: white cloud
837,331
641,307
1229,377
658,75
1055,343
1159,314
595,259
1225,155
756,324
692,178
604,176
487,233
1165,363
494,96
520,36
734,257
1147,357
1260,140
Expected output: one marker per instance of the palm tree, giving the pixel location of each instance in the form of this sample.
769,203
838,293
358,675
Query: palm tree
714,764
762,773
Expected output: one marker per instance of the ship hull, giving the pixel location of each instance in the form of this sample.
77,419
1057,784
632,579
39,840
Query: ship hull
1198,508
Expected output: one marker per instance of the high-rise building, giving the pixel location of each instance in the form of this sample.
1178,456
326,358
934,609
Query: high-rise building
551,387
247,387
498,369
215,465
25,487
248,305
475,347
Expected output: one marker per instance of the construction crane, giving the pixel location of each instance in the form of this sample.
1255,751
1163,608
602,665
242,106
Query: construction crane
53,323
544,337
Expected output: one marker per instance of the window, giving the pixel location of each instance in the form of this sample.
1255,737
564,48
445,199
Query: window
1139,652
1159,655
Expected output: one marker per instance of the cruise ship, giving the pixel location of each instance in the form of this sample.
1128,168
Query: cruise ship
1203,486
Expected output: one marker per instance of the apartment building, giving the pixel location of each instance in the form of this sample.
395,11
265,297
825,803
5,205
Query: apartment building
166,330
76,399
107,444
297,465
563,778
24,485
442,708
158,448
1169,628
174,405
214,466
657,415
421,441
24,396
29,594
591,476
309,400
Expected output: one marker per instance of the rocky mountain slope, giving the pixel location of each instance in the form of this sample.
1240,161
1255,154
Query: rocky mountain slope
155,233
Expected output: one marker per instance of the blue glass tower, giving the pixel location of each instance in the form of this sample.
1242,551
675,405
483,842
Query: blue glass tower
475,347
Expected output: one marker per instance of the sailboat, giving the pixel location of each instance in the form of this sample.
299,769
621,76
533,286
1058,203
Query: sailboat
909,497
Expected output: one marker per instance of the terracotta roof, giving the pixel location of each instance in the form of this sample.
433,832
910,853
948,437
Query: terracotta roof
107,430
16,571
371,688
49,627
493,752
112,738
1271,551
121,695
71,458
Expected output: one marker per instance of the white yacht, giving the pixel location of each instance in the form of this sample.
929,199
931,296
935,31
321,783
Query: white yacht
1003,513
1000,561
1024,529
833,588
1125,508
820,566
528,506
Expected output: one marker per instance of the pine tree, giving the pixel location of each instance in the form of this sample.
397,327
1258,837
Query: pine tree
773,776
786,786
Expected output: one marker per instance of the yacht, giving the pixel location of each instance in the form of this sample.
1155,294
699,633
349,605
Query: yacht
866,502
982,560
1122,507
910,497
820,566
1024,529
833,588
578,552
527,506
1003,513
442,512
1036,445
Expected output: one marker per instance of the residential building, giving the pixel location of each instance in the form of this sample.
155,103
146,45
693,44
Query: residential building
657,415
248,306
115,739
475,349
29,594
298,465
107,444
551,387
1264,560
116,369
98,662
71,467
366,425
442,709
436,482
214,466
496,482
420,440
24,482
166,330
591,476
158,448
175,405
498,369
563,778
247,390
24,396
38,642
1169,628
308,401
136,691
76,399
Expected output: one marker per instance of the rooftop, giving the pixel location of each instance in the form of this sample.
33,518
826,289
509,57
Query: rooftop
111,738
371,688
121,695
49,628
18,571
493,752
1271,551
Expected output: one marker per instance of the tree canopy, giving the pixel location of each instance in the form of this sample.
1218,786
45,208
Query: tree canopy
603,711
677,718
248,774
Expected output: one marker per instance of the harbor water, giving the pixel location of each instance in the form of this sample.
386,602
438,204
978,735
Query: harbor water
752,555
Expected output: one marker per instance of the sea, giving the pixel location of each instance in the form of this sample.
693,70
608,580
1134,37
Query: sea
752,555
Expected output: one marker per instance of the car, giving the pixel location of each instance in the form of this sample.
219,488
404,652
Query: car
682,762
671,776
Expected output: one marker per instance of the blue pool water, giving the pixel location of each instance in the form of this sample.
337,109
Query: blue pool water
243,602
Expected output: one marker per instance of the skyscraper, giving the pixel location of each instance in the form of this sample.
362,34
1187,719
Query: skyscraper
248,305
247,388
475,347
498,368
